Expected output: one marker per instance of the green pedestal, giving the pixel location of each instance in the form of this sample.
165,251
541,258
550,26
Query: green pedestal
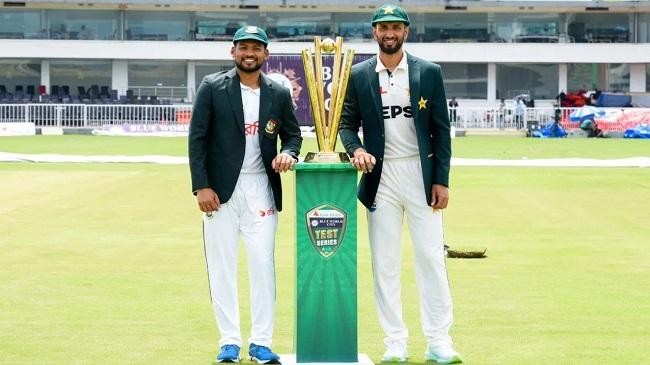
326,263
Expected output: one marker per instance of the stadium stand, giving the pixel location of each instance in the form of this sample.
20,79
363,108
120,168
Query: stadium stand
144,53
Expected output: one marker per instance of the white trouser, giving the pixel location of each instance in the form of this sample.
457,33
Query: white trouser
251,213
401,190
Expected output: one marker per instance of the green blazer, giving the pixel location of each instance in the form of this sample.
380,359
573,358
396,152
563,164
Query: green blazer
217,139
363,108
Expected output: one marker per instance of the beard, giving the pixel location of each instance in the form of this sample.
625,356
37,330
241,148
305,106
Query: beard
391,49
245,68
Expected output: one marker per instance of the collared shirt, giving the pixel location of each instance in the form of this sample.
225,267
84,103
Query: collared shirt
399,126
520,107
252,154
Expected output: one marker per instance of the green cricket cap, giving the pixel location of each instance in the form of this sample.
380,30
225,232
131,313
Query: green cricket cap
251,32
390,13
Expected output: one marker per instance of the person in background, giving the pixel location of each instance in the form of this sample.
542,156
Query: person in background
591,127
84,33
62,33
520,109
453,105
502,114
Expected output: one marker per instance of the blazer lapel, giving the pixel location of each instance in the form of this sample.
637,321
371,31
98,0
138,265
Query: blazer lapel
266,100
373,79
414,86
233,89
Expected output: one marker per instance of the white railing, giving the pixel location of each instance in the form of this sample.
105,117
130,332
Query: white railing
98,115
612,119
82,115
499,118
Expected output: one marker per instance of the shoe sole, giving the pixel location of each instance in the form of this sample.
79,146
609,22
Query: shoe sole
453,360
393,360
265,361
228,361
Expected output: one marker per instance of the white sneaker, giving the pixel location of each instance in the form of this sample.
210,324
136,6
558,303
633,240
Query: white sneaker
444,354
395,352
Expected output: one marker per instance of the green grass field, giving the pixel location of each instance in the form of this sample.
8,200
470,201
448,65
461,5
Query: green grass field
103,263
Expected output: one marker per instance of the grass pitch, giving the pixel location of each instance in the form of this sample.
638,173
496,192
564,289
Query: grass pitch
103,263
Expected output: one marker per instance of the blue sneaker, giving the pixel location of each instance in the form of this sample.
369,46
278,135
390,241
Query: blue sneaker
262,354
229,353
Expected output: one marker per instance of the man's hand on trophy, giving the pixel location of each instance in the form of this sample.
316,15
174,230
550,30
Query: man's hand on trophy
283,162
363,161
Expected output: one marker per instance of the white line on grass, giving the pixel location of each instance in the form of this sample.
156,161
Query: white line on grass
178,160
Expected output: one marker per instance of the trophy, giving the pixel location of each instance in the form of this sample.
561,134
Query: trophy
326,220
327,119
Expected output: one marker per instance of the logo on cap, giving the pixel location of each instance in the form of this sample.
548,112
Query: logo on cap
251,29
388,9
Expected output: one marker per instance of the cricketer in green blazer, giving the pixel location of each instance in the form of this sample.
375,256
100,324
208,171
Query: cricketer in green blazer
217,137
363,108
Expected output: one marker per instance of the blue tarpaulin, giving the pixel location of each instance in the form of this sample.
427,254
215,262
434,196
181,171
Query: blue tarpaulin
640,131
614,100
586,112
551,130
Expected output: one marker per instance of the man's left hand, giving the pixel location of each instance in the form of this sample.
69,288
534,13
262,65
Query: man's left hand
439,196
283,162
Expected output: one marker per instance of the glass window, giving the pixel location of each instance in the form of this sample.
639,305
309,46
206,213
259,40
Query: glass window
606,77
19,24
218,26
18,75
354,26
164,79
297,27
644,28
157,73
600,28
76,74
83,24
647,78
465,80
205,68
526,28
157,26
454,28
539,81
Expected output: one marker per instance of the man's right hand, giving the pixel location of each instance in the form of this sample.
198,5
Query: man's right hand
363,161
208,200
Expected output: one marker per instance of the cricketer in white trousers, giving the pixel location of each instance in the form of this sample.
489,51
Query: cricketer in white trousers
250,213
401,191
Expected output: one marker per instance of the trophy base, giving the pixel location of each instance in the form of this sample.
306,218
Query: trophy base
290,359
326,157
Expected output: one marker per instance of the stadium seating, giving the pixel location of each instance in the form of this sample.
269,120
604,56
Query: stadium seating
95,94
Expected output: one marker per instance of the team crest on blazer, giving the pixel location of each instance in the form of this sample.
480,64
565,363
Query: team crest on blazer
271,126
326,226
